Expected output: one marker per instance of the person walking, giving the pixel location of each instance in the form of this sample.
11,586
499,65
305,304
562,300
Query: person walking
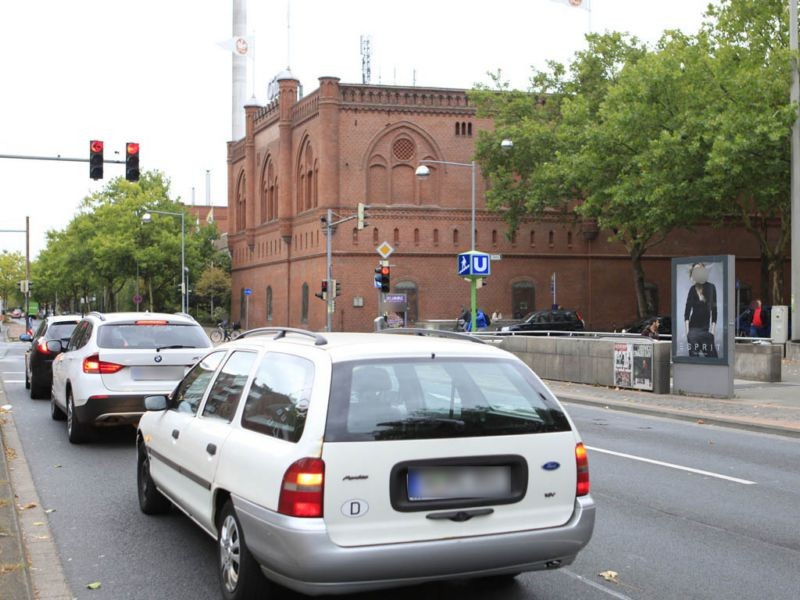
757,319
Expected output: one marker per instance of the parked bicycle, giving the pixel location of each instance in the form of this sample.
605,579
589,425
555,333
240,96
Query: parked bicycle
225,332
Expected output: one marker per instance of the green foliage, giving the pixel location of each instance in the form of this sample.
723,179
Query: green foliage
100,252
12,271
646,140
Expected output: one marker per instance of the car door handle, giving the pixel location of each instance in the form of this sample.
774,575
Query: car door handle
176,434
459,516
211,449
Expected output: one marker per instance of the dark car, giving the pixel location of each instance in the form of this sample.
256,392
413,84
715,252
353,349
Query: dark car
549,320
38,359
664,327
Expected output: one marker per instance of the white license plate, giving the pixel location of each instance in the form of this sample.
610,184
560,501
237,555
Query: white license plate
449,483
157,373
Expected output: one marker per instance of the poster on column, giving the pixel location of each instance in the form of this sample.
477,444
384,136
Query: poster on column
633,365
699,306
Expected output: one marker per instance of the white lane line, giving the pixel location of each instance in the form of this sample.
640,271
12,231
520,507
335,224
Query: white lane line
672,466
13,380
595,585
13,372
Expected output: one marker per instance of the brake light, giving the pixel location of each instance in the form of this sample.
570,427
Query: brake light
302,488
41,347
93,364
582,462
151,323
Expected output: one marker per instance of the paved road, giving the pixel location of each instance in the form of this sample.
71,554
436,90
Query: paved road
668,531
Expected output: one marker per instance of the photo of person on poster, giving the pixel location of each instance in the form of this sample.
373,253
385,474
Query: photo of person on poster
699,308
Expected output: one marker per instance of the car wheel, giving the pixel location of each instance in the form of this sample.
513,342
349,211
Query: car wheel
77,432
38,391
151,501
239,575
55,412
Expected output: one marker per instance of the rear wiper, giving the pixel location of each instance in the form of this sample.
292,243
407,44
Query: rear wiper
172,347
422,421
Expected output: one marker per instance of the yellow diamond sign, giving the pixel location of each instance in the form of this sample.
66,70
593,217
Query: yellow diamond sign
385,250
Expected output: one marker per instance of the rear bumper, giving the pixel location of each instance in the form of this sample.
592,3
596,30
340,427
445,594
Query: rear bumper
298,553
111,410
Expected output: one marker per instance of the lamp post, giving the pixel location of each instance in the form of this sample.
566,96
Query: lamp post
147,217
422,172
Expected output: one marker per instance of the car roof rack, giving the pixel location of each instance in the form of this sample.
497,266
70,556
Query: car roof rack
319,340
443,333
98,314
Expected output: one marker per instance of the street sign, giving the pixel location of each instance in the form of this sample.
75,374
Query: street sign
474,263
496,257
247,291
385,250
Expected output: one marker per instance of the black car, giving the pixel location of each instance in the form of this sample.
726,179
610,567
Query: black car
664,326
549,320
38,359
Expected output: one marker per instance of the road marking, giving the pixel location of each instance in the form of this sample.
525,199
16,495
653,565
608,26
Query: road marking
672,466
13,380
595,585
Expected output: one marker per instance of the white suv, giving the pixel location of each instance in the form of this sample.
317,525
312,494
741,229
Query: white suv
351,462
114,360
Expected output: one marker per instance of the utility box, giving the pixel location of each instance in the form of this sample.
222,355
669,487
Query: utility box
779,324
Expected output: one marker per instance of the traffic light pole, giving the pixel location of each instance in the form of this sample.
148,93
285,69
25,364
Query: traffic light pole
27,232
330,227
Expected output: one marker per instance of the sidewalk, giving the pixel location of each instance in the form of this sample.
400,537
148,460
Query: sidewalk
757,406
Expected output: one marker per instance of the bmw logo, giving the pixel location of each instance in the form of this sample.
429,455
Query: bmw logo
157,358
550,466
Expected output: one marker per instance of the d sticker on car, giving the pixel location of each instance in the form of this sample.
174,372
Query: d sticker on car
355,508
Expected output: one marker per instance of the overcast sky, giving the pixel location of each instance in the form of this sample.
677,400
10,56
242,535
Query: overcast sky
151,71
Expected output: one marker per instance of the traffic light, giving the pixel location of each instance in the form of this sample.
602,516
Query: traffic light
96,159
337,288
132,161
362,215
385,273
323,293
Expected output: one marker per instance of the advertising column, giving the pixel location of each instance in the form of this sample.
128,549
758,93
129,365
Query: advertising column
703,325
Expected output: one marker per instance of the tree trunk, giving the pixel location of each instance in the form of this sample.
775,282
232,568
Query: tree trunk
775,269
150,292
638,283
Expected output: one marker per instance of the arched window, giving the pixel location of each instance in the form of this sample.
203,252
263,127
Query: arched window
435,237
569,239
396,236
469,129
304,300
241,222
533,238
458,128
494,237
409,288
375,235
455,237
355,236
416,237
307,169
269,303
551,238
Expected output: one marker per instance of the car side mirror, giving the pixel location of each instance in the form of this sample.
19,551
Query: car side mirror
155,403
55,346
25,337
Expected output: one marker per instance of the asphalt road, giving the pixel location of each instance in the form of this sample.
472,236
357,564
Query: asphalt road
716,516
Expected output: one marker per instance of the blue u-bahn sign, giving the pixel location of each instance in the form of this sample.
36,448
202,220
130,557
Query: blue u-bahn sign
477,264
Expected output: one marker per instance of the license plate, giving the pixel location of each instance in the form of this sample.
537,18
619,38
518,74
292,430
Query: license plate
157,373
449,483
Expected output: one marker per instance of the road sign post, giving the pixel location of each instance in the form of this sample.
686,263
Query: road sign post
473,265
247,293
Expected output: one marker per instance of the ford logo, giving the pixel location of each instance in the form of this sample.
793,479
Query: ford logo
157,358
551,466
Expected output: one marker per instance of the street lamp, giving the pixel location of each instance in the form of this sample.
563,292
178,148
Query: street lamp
147,217
422,172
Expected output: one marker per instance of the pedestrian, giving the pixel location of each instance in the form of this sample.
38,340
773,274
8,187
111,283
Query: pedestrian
482,321
757,319
463,318
652,328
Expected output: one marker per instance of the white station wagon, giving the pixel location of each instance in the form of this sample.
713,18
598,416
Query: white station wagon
347,462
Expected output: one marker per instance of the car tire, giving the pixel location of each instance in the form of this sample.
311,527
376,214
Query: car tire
38,391
151,501
240,578
55,412
77,432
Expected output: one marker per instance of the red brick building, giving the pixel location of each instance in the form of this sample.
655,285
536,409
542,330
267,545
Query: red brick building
344,144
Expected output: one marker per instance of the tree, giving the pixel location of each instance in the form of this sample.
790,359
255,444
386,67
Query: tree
12,271
214,285
749,125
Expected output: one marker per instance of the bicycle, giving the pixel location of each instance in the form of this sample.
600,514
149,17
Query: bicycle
225,333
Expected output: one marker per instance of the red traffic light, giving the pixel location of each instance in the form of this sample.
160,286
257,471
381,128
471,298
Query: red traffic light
385,270
131,148
96,146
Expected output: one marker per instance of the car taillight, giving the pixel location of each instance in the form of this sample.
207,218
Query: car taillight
41,347
93,364
302,488
582,462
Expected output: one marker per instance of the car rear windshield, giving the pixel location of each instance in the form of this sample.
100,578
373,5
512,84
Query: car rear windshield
436,397
61,330
147,335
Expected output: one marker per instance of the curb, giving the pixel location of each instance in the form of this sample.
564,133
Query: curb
706,418
44,569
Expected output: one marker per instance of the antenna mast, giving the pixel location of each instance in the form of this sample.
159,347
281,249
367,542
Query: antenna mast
366,59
